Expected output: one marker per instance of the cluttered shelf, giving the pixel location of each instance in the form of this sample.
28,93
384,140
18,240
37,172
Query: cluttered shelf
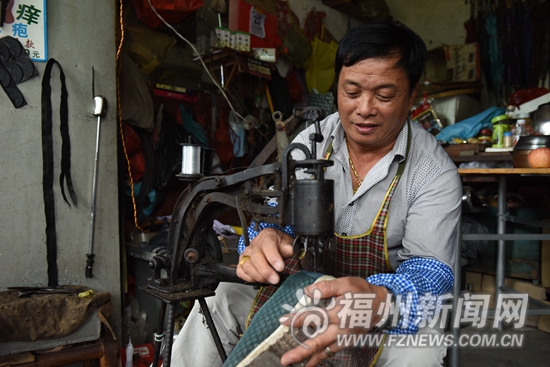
482,157
465,153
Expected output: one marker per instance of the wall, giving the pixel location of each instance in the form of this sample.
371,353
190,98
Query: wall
438,22
80,35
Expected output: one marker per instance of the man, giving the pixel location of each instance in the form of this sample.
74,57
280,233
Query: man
397,200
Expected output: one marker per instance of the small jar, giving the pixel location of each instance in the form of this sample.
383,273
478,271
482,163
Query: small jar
507,138
501,124
485,136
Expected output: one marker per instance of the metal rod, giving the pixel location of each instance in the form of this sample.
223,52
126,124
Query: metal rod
169,335
212,328
532,301
454,350
90,256
159,335
529,222
501,246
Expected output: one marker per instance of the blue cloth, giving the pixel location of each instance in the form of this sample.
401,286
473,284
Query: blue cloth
471,126
253,233
413,279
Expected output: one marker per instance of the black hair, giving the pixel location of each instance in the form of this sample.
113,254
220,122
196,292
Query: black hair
383,40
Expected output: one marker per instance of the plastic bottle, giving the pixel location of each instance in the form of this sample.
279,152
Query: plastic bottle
129,354
507,139
521,130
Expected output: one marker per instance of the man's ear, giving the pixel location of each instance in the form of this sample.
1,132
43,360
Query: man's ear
413,96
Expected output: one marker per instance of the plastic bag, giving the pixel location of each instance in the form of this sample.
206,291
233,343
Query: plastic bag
192,127
172,11
525,95
313,25
471,126
134,151
238,135
222,141
474,248
144,45
296,46
320,71
136,102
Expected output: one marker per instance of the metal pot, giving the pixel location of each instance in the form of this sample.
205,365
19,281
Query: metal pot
533,142
541,122
526,144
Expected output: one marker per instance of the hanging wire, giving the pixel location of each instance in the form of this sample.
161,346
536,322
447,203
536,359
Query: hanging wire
200,58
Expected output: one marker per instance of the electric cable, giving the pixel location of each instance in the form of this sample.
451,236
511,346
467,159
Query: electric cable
200,59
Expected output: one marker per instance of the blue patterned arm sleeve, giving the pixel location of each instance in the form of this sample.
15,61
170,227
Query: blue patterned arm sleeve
252,233
414,279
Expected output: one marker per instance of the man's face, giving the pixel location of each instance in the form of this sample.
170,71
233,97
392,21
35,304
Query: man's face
373,102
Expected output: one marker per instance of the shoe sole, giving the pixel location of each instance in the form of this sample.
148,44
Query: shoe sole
270,351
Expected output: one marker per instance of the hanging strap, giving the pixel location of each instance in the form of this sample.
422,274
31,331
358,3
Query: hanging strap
48,169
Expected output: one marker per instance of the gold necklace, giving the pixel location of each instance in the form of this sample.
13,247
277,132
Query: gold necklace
359,180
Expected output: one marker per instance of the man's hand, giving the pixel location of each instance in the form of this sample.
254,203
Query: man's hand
337,288
264,257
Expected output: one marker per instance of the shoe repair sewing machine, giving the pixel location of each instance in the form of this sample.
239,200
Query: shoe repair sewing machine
194,265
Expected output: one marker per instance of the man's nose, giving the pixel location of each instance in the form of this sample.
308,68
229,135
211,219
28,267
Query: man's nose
366,105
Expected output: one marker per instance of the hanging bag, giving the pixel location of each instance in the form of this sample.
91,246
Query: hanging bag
173,11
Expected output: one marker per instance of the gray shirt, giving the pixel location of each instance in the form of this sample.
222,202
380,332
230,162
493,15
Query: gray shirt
425,209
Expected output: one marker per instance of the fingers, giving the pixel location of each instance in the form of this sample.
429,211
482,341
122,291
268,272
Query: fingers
264,257
314,350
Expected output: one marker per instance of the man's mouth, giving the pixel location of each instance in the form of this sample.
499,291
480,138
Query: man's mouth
364,128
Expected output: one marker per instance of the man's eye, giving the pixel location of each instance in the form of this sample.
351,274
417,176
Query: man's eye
384,98
352,93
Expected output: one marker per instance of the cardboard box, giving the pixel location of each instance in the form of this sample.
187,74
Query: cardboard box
486,284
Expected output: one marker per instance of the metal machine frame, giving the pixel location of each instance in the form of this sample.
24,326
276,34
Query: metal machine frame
194,265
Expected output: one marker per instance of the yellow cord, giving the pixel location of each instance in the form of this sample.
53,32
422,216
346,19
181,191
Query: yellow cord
119,108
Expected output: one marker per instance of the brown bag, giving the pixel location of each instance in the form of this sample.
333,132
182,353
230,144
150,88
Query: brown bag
44,316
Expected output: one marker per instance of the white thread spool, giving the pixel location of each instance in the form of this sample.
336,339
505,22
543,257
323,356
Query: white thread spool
191,159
